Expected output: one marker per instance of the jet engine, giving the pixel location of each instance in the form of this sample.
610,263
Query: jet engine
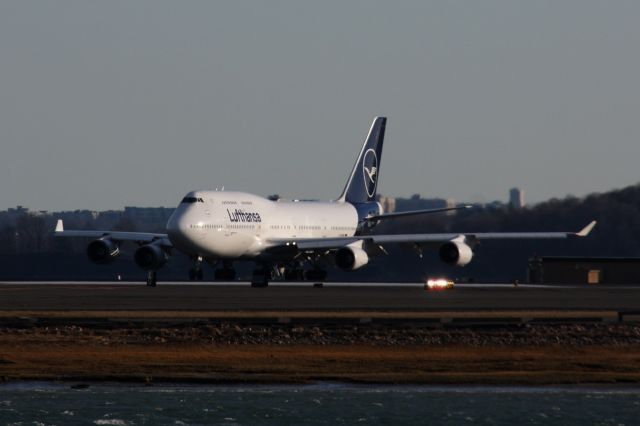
150,257
350,258
455,253
103,251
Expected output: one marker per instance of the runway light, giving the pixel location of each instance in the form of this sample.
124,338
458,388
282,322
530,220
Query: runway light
439,284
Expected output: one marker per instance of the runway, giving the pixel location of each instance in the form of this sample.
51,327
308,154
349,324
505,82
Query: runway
103,296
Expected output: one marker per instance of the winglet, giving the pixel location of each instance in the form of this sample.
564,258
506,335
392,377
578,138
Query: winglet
586,230
59,226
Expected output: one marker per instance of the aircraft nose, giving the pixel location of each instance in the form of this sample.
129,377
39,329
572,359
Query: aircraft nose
178,227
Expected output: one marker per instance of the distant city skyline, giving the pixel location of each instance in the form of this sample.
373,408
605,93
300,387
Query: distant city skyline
388,203
112,104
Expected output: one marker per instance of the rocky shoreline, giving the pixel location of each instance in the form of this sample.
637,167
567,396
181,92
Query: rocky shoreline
229,333
228,352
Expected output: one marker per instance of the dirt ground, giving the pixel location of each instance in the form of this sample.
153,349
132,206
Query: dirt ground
229,352
73,361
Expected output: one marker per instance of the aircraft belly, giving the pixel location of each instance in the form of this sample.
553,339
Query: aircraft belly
232,244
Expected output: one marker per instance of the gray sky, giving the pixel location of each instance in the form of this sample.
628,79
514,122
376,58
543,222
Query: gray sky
111,103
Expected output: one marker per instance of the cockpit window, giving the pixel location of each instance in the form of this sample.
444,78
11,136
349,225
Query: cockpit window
190,200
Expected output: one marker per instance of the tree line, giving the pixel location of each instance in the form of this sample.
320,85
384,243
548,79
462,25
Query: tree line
617,232
616,235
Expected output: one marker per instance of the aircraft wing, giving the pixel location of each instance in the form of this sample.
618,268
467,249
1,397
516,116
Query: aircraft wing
138,237
338,242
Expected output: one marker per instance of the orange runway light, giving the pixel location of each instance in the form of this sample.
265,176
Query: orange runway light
438,284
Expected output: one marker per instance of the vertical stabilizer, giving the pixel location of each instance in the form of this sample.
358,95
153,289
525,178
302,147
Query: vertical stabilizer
363,181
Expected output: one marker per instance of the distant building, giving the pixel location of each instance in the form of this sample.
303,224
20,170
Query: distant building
494,205
388,204
583,270
418,203
12,215
109,216
18,210
76,216
516,198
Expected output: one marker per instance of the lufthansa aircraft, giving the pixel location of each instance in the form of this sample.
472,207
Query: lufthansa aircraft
289,240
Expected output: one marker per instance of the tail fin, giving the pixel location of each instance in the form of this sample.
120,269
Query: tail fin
363,181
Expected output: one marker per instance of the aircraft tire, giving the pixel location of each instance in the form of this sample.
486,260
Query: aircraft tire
225,274
260,278
316,275
294,275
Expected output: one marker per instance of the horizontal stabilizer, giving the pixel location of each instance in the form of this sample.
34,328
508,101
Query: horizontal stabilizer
415,213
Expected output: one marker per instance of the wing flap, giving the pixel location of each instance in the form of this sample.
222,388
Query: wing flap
315,243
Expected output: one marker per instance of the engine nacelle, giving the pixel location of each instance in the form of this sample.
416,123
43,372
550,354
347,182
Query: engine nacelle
103,251
350,258
455,253
150,257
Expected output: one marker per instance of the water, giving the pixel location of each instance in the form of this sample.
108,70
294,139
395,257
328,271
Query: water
321,404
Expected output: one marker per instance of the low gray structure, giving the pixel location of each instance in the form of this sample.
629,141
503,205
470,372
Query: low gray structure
584,270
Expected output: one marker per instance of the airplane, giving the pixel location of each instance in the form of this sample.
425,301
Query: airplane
292,240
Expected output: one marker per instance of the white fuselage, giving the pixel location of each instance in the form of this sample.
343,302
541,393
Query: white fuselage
220,224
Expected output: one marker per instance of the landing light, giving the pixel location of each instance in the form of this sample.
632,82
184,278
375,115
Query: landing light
438,284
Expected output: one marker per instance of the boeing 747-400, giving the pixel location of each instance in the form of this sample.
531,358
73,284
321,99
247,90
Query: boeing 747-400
291,239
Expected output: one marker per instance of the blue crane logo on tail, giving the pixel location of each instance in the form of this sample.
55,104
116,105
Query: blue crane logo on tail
370,171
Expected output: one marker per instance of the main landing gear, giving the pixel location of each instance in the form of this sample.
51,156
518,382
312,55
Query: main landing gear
226,273
293,274
260,277
295,271
316,275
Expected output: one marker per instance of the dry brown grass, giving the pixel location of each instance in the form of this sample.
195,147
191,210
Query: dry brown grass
301,363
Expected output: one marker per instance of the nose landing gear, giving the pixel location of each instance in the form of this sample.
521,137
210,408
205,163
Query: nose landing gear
195,273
